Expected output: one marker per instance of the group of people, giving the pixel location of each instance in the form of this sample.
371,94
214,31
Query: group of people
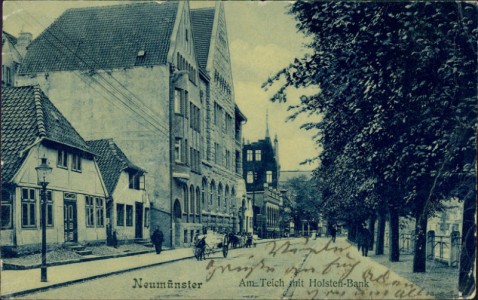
243,239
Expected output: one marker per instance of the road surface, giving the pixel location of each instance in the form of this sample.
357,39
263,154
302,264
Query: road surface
285,269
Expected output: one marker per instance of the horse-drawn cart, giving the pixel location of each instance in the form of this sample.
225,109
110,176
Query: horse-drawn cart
207,244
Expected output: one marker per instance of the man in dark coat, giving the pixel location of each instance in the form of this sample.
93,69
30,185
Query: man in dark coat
364,240
157,238
333,232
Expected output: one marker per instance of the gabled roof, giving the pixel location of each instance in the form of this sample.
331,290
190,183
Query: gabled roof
202,20
111,161
8,37
104,37
27,115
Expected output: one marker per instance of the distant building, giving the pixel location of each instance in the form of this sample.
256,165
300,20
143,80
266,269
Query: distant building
125,183
33,129
13,50
261,170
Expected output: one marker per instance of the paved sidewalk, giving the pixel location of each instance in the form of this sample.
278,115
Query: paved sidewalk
19,282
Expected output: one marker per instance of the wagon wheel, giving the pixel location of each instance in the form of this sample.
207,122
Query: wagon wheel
225,246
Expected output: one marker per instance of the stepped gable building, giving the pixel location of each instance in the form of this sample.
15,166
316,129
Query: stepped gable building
125,183
33,132
145,83
222,124
261,172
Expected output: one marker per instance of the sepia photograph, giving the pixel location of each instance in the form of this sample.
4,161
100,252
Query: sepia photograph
239,149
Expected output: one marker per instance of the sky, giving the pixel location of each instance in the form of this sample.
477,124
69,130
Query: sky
262,38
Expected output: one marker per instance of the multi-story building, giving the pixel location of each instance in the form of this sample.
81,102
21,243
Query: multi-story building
222,123
155,77
35,132
261,172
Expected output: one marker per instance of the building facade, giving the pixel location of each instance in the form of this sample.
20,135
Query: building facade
13,50
127,207
153,88
261,173
34,130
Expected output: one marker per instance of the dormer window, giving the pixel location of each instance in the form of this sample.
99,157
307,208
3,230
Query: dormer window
136,180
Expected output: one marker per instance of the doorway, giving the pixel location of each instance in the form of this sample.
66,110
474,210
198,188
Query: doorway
70,221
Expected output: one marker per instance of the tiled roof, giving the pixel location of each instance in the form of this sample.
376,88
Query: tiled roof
8,36
202,20
27,114
104,37
111,161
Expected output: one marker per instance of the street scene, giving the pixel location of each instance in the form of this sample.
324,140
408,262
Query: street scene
238,150
273,270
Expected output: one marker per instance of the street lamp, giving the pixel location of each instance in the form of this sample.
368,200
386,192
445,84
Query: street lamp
43,173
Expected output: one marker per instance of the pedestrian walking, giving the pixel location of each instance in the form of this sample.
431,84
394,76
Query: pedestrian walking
333,232
157,238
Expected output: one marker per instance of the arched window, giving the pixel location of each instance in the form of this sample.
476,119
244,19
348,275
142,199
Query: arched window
177,211
185,200
191,198
219,195
198,202
212,190
226,197
203,193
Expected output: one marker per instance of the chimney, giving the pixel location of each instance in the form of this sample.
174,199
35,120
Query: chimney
23,42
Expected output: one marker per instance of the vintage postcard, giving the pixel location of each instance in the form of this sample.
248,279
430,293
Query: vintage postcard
238,150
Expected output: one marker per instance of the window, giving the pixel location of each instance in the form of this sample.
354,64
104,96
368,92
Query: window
119,214
62,159
249,155
49,210
216,153
90,211
76,162
250,177
100,212
186,154
269,176
28,208
177,150
146,217
185,104
134,180
228,159
129,215
7,76
177,101
238,162
258,155
7,217
219,195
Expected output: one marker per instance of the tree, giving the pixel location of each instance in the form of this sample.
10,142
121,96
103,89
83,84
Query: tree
397,98
305,205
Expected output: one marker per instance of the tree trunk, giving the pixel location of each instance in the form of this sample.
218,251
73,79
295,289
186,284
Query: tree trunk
380,234
466,280
420,255
371,227
394,254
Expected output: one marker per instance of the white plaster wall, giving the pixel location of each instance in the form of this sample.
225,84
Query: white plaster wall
95,113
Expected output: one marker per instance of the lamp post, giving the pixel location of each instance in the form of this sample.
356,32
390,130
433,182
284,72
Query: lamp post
43,173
